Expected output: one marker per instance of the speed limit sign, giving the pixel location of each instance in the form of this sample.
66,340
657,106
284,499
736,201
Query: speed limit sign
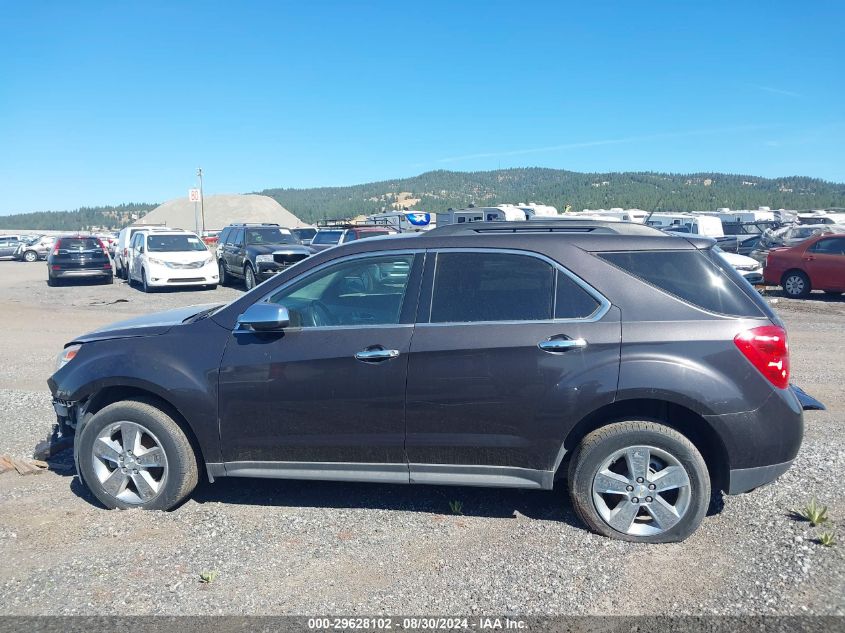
194,195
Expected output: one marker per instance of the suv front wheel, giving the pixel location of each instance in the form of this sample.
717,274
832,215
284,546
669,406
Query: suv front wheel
249,277
223,274
131,454
639,481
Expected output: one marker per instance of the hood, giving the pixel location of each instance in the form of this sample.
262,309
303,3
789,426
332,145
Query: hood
261,249
147,325
737,260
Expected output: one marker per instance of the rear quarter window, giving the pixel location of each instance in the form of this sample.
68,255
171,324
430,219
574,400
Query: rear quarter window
692,276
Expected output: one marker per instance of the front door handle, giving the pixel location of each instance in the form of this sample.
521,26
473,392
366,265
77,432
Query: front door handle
376,355
559,345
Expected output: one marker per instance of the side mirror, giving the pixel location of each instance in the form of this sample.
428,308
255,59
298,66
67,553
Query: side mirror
264,317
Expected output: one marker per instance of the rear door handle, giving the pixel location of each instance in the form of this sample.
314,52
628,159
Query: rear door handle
559,345
376,355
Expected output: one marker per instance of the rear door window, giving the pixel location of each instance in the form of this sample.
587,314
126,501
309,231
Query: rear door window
830,246
692,276
475,287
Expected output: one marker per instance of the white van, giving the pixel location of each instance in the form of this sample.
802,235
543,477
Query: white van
706,225
170,258
121,249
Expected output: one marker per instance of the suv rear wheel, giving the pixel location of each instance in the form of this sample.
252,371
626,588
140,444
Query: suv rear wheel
796,284
131,454
639,481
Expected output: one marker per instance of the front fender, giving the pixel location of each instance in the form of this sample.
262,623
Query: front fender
180,367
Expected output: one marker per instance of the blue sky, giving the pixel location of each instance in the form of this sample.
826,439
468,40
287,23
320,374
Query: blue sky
108,102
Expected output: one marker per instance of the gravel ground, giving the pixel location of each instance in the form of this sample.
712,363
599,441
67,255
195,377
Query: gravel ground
325,548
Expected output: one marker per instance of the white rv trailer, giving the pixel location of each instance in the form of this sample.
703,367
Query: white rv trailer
706,225
504,213
625,215
534,210
763,214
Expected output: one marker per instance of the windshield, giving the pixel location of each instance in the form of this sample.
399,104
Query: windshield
269,236
174,243
327,237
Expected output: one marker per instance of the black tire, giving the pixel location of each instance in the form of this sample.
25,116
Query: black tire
30,256
602,444
249,277
795,284
108,280
144,285
182,465
52,281
223,273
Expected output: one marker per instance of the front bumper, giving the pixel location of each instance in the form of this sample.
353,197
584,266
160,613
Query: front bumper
164,277
747,479
755,278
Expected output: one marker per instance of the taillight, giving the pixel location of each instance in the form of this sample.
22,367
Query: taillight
766,348
103,246
56,247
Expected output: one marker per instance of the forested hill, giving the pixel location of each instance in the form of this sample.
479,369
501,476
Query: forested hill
81,219
439,190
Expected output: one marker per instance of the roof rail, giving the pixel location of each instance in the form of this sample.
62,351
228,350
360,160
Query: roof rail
599,227
253,224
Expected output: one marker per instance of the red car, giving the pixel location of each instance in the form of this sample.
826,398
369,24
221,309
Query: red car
817,264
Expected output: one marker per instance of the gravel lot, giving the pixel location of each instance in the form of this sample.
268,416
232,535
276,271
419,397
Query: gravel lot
324,548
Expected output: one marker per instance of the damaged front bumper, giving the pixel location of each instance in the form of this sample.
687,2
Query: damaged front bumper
61,437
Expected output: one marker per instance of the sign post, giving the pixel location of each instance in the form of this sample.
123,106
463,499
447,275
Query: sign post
195,196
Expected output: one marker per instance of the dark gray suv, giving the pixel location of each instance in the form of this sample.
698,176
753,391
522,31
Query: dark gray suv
638,367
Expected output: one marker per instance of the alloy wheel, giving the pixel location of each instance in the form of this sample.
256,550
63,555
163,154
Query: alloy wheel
129,462
249,278
30,256
641,490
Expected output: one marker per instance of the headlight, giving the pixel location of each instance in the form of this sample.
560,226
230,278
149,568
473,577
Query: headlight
263,259
67,355
153,260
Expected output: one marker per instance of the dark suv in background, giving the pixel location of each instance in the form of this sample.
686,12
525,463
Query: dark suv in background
336,233
256,252
639,367
79,257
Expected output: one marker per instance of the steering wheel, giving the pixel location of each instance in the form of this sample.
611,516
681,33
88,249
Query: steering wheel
320,314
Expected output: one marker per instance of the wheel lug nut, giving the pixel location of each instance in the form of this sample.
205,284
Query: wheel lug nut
651,486
635,500
629,488
648,499
640,480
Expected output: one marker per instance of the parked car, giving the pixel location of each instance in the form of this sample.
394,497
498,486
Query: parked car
121,249
35,248
9,244
78,257
332,236
304,234
791,236
748,267
815,264
256,252
640,368
170,259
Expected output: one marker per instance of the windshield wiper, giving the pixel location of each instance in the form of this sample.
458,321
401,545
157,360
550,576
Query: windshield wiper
204,314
